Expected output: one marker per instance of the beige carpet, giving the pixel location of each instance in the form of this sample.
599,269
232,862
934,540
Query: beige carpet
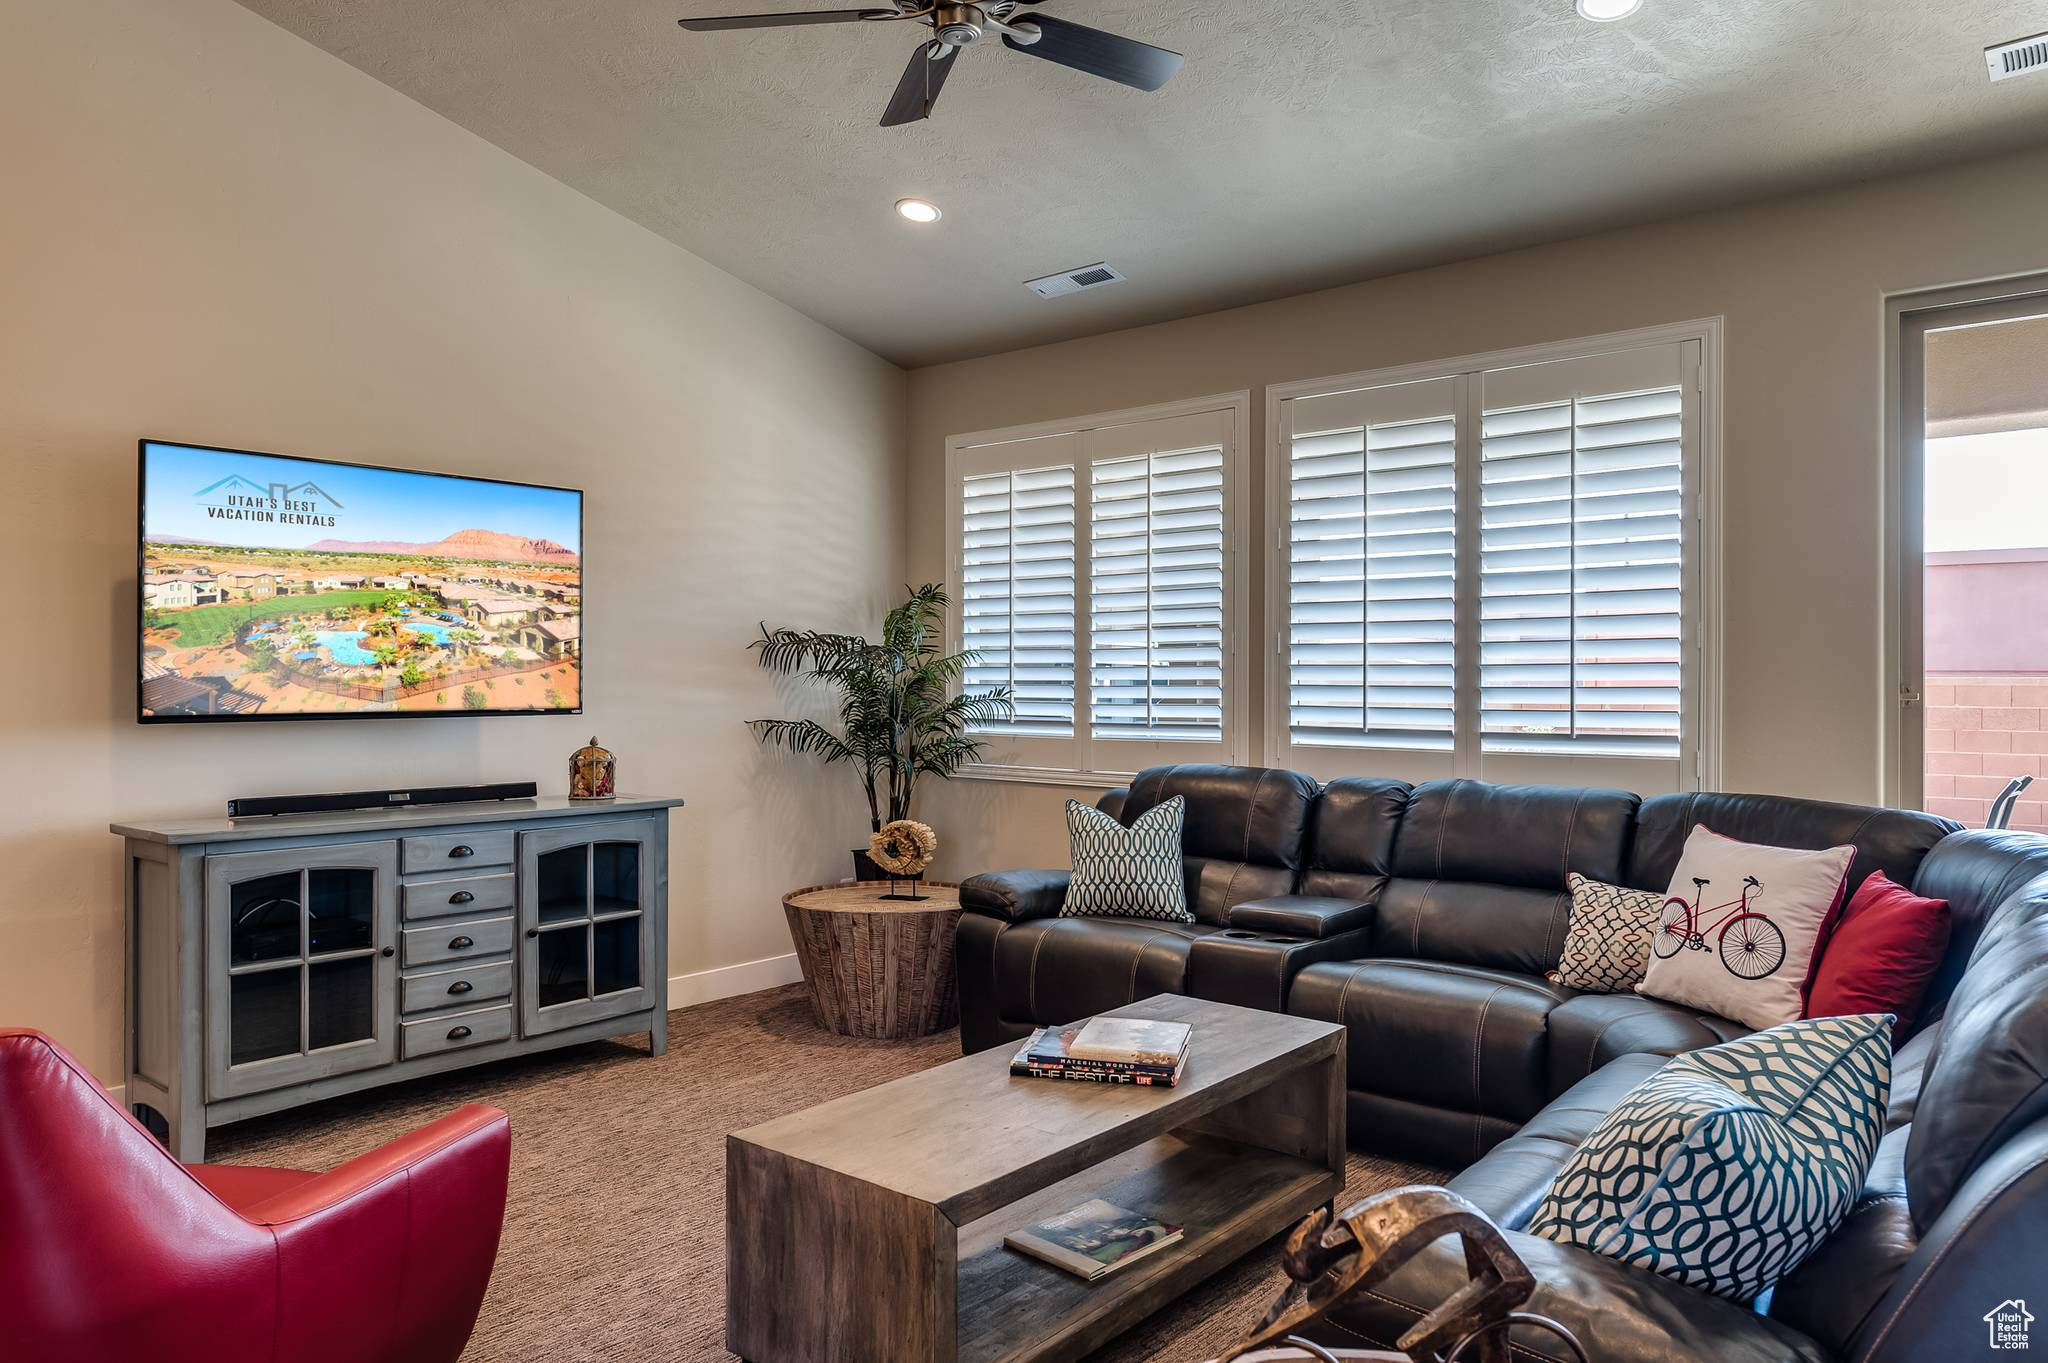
614,1243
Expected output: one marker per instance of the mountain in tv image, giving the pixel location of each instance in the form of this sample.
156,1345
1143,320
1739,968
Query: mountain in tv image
490,546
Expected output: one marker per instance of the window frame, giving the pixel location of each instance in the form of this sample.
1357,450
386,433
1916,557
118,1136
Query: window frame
1699,768
1238,743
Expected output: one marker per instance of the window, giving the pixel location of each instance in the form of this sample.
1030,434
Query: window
1496,569
1096,577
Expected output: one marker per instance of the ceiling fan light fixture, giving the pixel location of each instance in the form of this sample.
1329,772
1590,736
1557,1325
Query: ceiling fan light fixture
1607,11
918,210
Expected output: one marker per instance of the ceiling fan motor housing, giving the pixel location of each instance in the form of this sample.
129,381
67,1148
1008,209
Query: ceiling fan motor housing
959,25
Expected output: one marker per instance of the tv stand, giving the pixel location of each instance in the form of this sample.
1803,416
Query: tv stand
277,962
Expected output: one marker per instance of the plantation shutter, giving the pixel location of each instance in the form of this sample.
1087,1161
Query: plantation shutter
1372,561
1157,584
1494,572
1017,593
1583,543
1093,573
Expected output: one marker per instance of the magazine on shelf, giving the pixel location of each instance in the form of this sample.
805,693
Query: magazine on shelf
1094,1239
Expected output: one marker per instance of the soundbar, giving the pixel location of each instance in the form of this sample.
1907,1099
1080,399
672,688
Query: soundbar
256,805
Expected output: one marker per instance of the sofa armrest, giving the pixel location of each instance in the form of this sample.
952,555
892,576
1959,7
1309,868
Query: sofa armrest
1302,915
1111,802
1015,896
412,1227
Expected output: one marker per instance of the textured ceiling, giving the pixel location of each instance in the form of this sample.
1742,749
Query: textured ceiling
1301,146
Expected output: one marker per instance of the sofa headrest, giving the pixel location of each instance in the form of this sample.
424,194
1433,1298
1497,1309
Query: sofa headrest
1987,1078
1255,815
1888,840
1513,835
1975,871
1354,823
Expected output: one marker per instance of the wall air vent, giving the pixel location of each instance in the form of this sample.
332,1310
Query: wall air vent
2020,57
1094,276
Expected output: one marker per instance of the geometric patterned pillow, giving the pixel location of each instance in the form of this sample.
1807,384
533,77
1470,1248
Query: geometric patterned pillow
1607,943
1130,872
1730,1165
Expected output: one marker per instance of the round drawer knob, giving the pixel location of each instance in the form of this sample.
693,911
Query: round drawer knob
457,1033
461,897
390,951
461,944
533,932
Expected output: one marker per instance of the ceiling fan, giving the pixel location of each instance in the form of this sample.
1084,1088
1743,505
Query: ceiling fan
1124,60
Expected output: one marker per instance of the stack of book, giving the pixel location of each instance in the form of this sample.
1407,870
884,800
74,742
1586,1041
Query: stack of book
1106,1051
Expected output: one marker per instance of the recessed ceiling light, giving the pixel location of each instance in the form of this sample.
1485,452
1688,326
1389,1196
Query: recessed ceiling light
1607,11
917,210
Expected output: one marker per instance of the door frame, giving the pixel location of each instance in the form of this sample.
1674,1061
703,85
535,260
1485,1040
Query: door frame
1909,316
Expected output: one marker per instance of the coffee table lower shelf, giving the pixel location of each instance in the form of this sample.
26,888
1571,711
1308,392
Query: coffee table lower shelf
1012,1308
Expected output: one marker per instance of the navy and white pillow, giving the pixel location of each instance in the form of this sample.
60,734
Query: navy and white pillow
1130,872
1730,1165
1607,942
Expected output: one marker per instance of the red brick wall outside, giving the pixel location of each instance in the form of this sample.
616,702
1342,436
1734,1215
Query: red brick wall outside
1981,732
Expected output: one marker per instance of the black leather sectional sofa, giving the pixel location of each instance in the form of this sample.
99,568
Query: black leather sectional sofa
1423,919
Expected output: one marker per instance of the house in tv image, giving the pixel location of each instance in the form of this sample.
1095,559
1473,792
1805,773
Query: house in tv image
180,590
248,585
558,638
495,610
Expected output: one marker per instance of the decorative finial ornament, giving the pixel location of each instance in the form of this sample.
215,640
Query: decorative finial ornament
593,772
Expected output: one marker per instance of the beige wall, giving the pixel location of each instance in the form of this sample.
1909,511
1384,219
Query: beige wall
210,231
1801,284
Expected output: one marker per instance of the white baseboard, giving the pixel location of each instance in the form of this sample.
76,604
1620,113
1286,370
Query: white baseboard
702,986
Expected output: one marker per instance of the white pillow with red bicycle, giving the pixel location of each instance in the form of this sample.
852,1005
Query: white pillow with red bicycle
1741,925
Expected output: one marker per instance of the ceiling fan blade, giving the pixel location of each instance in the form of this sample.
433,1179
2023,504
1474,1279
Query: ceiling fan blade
815,16
1123,60
919,88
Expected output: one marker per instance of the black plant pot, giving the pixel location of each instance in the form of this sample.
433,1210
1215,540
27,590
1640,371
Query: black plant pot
864,867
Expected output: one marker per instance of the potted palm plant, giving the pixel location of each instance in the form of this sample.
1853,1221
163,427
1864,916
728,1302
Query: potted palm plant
902,715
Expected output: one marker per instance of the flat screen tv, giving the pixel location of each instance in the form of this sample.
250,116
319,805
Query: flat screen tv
274,587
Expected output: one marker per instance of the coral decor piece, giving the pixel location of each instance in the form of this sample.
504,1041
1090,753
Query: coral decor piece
904,847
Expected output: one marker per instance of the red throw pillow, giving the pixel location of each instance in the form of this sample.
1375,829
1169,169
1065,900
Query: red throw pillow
1884,951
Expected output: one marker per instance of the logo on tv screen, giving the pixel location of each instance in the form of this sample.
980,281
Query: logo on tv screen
235,498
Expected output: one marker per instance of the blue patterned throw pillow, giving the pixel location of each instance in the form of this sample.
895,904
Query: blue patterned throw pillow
1130,872
1730,1165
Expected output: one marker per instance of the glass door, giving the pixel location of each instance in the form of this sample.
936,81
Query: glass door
586,900
301,961
1973,569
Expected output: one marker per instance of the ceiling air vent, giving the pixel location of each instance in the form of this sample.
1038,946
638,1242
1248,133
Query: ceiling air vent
2020,57
1073,281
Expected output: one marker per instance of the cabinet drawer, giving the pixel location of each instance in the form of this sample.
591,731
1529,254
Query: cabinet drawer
459,987
456,941
456,1031
466,894
455,851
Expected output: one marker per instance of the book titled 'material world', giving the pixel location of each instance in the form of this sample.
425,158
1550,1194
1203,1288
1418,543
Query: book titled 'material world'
1049,1053
1094,1238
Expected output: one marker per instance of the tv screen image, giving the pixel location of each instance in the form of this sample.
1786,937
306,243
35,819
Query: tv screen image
275,587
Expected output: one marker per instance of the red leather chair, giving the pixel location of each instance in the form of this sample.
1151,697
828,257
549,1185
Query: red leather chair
113,1252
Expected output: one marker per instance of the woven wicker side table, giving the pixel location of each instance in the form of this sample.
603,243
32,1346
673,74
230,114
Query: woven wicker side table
877,967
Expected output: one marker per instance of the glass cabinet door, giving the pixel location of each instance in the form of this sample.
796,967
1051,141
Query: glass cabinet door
586,904
301,969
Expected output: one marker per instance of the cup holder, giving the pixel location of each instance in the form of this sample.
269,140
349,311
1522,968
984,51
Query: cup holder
1242,935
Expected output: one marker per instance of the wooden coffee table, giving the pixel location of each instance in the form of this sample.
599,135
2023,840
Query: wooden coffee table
875,966
870,1228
